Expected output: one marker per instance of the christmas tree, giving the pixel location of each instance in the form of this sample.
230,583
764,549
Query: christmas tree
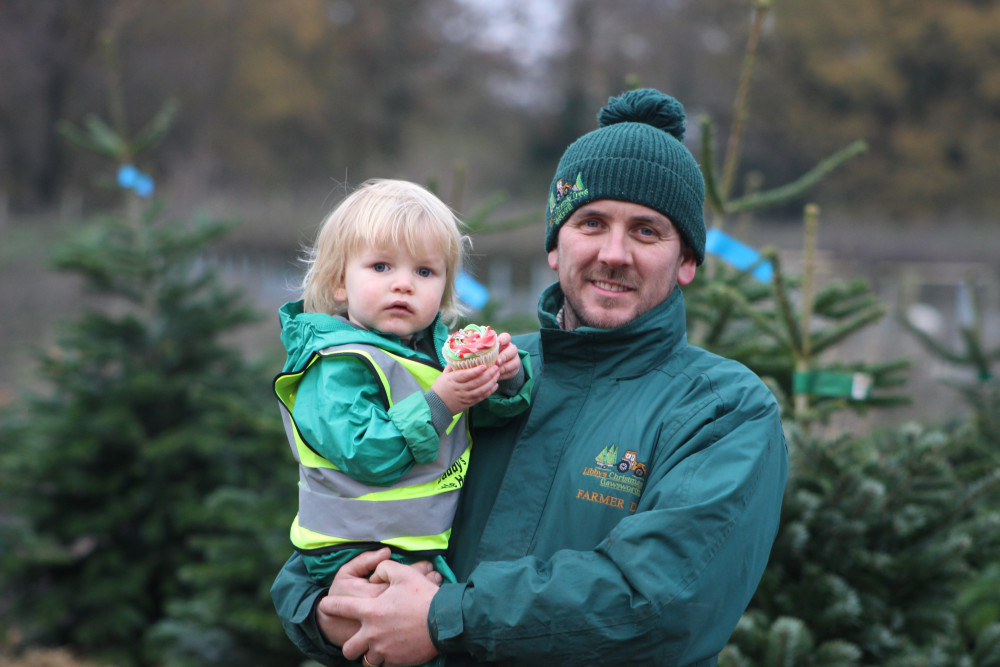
148,513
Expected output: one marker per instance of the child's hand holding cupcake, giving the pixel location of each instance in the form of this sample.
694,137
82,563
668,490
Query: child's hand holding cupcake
477,359
471,346
508,359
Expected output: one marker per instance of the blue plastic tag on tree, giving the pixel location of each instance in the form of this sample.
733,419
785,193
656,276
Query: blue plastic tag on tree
131,178
473,294
738,254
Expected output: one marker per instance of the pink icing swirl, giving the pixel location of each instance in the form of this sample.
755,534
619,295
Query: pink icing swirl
471,340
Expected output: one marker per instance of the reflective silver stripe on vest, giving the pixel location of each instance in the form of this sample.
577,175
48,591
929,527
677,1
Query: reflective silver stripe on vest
328,499
286,419
375,520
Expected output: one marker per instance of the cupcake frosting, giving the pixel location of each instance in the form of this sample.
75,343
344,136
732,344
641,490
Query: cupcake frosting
469,341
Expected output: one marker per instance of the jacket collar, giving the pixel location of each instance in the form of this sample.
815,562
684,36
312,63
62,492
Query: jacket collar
633,348
303,333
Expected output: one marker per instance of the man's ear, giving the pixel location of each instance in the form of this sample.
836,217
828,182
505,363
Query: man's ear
685,272
554,259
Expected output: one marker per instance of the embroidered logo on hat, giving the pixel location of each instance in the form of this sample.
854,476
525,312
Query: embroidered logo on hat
563,196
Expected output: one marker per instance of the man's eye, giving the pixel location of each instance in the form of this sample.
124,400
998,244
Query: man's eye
646,231
379,267
591,224
425,273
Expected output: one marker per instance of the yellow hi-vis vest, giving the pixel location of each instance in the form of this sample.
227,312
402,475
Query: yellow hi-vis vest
335,511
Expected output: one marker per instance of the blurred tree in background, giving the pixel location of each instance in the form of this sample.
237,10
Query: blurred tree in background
919,80
309,92
886,549
141,498
145,463
882,538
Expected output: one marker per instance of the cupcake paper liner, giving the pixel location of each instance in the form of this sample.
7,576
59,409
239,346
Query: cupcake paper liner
487,358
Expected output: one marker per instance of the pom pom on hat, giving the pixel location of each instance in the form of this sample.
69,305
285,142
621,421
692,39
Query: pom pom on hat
646,106
636,155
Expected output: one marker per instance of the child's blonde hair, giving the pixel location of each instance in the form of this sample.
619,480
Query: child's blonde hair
382,213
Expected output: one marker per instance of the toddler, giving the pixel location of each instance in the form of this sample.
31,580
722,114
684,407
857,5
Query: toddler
378,424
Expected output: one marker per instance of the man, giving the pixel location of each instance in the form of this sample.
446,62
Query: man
628,516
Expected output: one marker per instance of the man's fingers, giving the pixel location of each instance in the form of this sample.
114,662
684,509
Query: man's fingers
394,624
389,570
426,568
344,606
423,566
355,647
336,628
365,563
352,577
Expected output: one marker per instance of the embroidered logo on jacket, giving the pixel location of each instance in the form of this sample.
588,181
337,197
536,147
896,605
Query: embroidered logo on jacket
608,457
614,476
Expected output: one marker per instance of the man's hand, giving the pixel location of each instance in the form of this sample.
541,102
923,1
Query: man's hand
352,580
393,626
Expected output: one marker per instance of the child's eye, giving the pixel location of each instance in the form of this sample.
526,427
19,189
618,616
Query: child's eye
379,267
425,272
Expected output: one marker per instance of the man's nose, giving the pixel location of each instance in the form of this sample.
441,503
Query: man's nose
615,250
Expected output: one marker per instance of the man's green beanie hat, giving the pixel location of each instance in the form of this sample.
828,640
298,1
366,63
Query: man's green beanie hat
636,155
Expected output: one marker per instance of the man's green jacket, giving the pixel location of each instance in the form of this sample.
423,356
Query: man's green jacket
626,517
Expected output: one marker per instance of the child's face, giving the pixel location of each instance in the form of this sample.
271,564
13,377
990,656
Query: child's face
391,291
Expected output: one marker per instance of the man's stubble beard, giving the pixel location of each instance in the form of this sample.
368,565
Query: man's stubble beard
617,276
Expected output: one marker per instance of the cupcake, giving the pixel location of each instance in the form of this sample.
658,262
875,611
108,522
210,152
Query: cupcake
471,346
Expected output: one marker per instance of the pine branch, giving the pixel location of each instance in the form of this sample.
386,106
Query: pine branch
975,354
155,129
96,136
839,300
708,170
758,317
978,490
836,333
790,191
741,104
719,323
930,343
788,642
740,280
885,374
886,401
794,334
848,307
808,278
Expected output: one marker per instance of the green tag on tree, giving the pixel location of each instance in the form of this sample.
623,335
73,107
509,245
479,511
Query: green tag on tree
856,386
